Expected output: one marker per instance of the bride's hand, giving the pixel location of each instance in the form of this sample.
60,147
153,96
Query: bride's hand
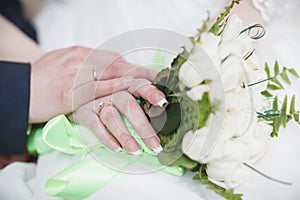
63,80
107,115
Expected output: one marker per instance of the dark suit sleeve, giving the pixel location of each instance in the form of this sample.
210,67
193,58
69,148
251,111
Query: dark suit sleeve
14,106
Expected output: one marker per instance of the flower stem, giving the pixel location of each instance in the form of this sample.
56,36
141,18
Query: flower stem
266,176
258,82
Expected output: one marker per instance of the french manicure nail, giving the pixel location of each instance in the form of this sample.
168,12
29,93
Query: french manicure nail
154,144
138,152
132,147
162,103
158,149
118,150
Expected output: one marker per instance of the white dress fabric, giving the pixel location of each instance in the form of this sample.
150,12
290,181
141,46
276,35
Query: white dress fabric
64,23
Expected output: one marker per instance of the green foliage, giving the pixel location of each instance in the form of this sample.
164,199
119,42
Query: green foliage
266,93
172,141
168,121
179,60
205,108
177,158
228,194
273,82
191,114
190,119
167,81
217,26
280,116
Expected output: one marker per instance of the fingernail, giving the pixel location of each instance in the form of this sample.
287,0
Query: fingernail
118,150
132,147
154,143
162,103
138,152
158,149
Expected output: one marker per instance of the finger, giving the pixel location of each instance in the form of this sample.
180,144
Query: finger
93,90
128,105
91,120
103,65
93,64
112,120
143,88
119,69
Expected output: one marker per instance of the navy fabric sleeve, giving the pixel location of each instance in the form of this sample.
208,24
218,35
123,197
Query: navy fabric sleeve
14,106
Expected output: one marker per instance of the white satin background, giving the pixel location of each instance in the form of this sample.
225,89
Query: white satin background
64,23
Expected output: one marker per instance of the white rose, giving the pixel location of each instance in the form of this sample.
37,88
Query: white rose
231,72
256,75
197,68
239,113
209,42
190,75
227,174
232,28
236,47
233,42
226,149
192,143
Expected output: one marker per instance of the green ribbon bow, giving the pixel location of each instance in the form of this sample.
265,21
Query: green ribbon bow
89,175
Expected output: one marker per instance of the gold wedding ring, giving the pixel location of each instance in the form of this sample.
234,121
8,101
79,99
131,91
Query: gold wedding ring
94,75
101,105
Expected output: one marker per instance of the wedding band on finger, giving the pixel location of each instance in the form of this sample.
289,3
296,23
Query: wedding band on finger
94,75
101,105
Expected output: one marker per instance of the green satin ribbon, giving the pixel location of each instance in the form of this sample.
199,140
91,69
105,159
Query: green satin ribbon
89,175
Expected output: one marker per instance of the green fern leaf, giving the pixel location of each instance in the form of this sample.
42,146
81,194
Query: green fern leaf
284,76
276,68
293,72
283,116
267,70
266,94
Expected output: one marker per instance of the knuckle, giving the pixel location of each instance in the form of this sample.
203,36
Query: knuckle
76,55
108,114
112,85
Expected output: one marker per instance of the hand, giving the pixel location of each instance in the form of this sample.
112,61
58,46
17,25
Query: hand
109,117
65,79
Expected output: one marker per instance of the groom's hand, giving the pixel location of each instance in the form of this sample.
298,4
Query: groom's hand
63,80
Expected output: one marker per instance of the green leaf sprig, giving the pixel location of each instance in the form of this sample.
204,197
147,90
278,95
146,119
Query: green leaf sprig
278,117
273,81
218,25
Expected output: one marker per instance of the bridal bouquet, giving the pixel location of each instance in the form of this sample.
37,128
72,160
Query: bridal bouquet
222,111
221,114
